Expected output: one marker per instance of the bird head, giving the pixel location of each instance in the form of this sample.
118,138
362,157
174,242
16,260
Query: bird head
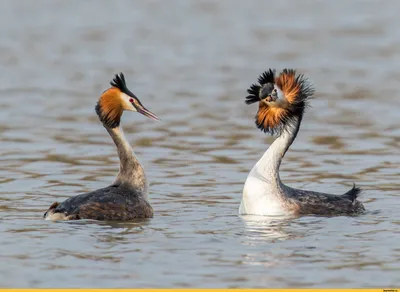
117,99
281,98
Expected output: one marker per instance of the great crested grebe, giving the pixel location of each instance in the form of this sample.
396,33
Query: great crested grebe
127,197
282,100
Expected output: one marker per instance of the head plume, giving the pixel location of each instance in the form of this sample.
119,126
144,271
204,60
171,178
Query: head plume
282,99
119,82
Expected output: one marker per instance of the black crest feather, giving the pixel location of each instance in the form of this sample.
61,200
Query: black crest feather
254,90
119,82
354,193
267,77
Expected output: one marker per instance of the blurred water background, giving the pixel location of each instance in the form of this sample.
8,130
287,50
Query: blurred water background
190,62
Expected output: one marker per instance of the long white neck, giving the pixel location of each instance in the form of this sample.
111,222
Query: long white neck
263,192
270,162
131,172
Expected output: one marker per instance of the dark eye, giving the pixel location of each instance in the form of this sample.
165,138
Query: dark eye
275,90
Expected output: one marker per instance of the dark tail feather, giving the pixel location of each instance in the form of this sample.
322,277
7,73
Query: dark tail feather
353,193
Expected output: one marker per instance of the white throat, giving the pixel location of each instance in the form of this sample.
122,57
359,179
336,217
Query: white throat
263,192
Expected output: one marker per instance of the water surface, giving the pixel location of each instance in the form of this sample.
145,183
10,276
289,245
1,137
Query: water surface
190,62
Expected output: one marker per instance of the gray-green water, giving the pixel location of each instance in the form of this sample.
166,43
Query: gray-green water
190,62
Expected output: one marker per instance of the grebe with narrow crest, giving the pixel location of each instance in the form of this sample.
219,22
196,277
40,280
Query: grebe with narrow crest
127,197
282,100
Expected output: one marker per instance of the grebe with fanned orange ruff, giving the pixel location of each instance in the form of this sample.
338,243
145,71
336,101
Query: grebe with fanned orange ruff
282,100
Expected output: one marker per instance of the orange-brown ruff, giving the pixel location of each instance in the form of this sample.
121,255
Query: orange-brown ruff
111,106
127,197
282,100
272,116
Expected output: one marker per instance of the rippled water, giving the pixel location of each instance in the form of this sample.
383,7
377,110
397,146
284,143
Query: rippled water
190,62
